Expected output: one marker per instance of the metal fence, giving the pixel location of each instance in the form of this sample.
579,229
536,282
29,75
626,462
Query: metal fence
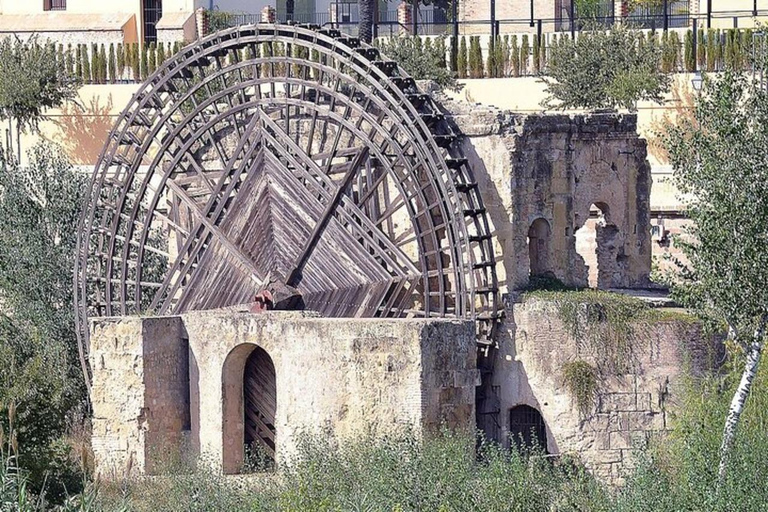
429,20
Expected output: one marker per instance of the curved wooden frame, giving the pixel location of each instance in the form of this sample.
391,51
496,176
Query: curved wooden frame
393,156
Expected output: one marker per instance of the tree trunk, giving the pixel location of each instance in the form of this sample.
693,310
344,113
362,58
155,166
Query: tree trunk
365,27
753,352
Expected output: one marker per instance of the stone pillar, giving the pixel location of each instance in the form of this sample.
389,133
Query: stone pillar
140,394
405,17
268,14
201,21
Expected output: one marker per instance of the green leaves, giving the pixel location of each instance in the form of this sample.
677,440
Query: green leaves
32,80
421,61
600,69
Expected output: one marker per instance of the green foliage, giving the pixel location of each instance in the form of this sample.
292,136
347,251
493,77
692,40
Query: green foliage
120,66
151,59
102,65
463,61
701,50
31,82
144,63
712,50
604,70
421,61
39,369
581,379
94,64
135,58
536,55
476,65
218,20
722,177
515,56
525,52
112,64
86,64
690,58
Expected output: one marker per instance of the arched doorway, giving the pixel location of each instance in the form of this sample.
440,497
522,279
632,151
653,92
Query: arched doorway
527,428
260,404
539,235
594,243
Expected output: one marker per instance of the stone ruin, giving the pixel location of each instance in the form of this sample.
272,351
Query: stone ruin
379,325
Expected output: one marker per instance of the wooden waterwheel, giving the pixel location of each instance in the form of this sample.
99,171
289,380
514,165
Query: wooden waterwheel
289,157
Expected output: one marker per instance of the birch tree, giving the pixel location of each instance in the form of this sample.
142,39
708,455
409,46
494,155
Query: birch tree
721,167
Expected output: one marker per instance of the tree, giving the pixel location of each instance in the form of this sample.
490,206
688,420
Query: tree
604,70
462,59
31,82
39,369
690,58
719,171
422,62
365,25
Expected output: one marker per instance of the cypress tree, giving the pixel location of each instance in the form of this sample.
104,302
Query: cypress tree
525,52
161,55
701,50
729,53
87,78
690,58
103,64
70,61
112,64
676,55
746,47
536,54
543,53
718,50
120,61
95,63
499,49
454,58
711,51
151,59
462,59
506,58
491,59
62,64
440,44
479,59
144,63
79,63
515,54
135,62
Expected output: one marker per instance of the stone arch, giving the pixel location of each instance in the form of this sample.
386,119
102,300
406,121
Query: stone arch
539,244
248,378
527,428
597,242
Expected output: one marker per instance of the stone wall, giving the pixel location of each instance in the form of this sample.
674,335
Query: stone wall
349,375
630,406
564,169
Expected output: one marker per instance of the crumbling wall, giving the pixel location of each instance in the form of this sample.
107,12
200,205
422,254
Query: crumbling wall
555,167
630,405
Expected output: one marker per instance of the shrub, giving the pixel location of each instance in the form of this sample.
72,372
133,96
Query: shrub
701,50
515,55
422,62
525,52
604,70
690,58
120,61
144,63
151,59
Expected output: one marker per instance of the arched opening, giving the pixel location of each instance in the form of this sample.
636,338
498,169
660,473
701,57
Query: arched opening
260,404
249,403
594,244
527,429
539,235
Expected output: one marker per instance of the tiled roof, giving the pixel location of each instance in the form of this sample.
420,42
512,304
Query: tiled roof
63,22
174,20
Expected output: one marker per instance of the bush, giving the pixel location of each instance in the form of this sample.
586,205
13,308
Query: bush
604,70
462,62
422,62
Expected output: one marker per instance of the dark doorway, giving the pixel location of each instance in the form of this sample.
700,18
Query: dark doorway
260,399
539,235
526,428
152,12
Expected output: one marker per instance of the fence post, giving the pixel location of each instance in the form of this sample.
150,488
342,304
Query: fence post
573,20
455,40
415,18
665,6
754,8
493,20
695,45
709,13
531,13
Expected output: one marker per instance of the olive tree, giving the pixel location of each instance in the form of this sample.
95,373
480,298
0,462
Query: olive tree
604,69
721,169
32,80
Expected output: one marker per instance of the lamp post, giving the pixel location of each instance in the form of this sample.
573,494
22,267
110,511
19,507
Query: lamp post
697,81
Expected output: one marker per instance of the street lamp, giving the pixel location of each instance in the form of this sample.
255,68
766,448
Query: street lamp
697,81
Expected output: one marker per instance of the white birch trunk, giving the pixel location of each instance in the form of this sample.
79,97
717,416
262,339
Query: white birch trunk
754,350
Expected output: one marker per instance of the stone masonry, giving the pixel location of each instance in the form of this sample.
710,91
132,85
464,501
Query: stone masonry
174,385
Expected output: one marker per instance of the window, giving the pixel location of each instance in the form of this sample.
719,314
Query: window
152,12
54,5
526,428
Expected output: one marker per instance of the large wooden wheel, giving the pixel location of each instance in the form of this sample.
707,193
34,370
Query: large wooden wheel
281,154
